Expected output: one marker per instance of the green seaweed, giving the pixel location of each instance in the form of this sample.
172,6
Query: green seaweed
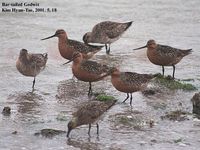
174,84
104,97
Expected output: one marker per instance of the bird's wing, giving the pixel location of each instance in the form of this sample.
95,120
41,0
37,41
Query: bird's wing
38,59
82,47
109,28
94,67
168,51
136,79
90,111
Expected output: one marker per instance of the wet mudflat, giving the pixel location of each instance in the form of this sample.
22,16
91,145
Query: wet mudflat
163,120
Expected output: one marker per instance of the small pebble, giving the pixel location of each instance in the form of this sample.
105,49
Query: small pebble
14,132
6,111
151,123
154,140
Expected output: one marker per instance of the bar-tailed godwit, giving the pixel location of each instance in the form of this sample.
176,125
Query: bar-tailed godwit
89,113
87,70
67,46
31,64
106,32
129,82
164,55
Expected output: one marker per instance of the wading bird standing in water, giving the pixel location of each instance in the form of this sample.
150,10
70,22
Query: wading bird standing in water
31,64
129,82
164,55
106,32
67,46
87,70
89,113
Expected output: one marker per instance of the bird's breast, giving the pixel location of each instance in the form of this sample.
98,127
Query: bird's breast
122,86
84,75
157,58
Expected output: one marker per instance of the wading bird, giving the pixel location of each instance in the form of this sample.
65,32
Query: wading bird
67,46
106,33
129,82
164,55
89,113
30,64
88,71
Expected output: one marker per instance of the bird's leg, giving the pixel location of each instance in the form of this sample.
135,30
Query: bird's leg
173,71
163,71
97,128
126,98
90,89
108,51
131,99
107,48
89,129
33,83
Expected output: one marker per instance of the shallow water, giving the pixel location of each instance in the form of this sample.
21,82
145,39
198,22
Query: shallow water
174,23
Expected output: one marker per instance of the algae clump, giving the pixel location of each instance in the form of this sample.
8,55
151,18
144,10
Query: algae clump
104,97
174,84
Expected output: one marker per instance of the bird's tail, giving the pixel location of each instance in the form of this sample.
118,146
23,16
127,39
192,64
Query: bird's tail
45,55
108,71
128,24
186,52
95,50
148,77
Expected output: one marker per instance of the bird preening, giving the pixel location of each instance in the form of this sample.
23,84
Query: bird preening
31,64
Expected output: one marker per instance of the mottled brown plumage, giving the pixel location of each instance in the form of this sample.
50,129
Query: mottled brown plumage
106,32
31,64
129,82
88,71
164,55
67,46
89,113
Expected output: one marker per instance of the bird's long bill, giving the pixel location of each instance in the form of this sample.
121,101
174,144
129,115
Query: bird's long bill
140,47
68,132
106,74
68,61
74,56
49,37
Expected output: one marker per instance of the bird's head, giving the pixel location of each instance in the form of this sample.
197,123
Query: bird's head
71,125
59,33
150,44
23,52
86,37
